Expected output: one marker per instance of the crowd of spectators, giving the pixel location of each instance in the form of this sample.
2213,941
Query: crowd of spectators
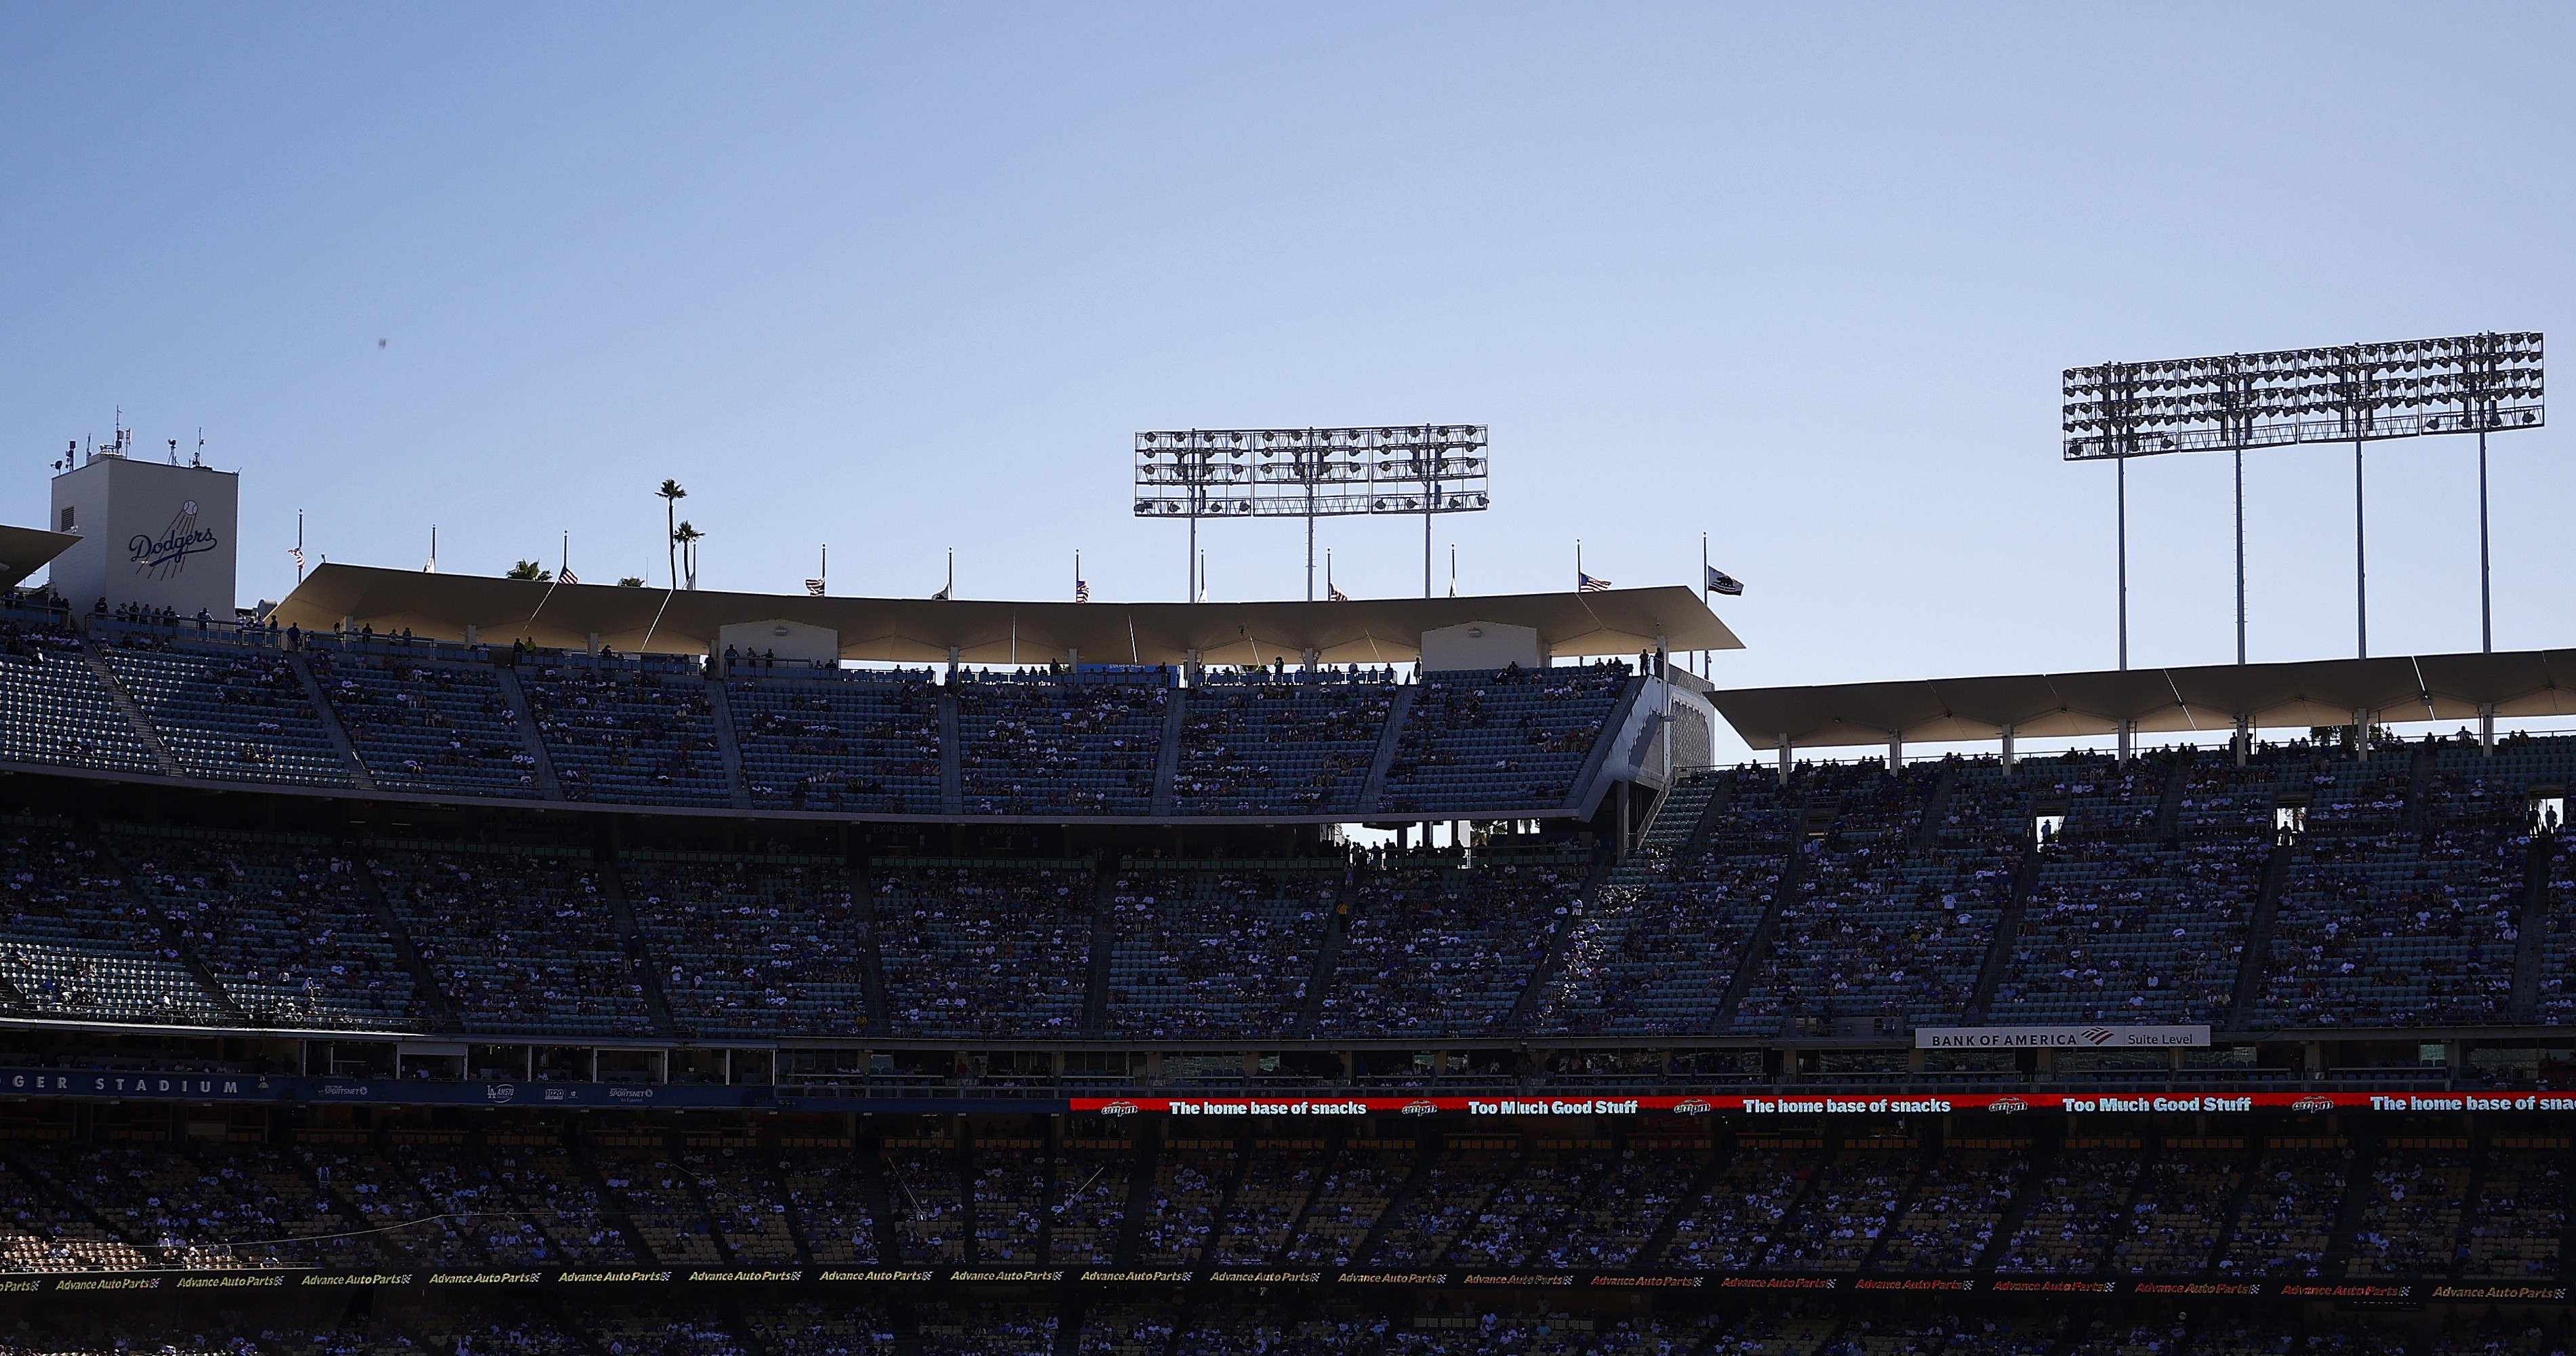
985,947
1256,743
520,940
430,727
617,732
2132,932
1210,950
79,944
865,742
283,923
1433,946
752,944
1512,738
1059,746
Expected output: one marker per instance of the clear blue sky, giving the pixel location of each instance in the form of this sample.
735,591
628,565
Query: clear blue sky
901,279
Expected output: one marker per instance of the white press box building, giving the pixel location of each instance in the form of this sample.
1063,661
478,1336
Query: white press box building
160,535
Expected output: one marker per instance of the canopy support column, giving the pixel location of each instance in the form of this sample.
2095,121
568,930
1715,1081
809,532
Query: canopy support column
2128,730
2486,729
1784,760
1895,752
2008,750
2244,740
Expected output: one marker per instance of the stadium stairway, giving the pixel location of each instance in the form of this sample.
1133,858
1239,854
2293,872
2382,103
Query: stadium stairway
329,716
952,759
1104,944
611,1205
162,757
639,957
424,979
1999,952
1373,791
2169,802
1426,1155
728,744
2419,786
1758,946
2356,1199
1329,953
1562,937
2531,928
2017,1209
1584,793
1936,803
1167,758
1140,1193
2251,967
871,957
525,717
172,944
1926,1155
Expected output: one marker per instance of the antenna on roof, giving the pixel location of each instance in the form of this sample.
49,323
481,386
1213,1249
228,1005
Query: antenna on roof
200,458
174,451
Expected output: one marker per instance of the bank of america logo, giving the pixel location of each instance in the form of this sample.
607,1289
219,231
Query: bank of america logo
2098,1035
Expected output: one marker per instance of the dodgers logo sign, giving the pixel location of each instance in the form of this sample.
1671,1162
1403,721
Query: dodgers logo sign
168,554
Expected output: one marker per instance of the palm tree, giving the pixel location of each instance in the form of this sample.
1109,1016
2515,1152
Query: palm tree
630,582
529,569
685,537
672,494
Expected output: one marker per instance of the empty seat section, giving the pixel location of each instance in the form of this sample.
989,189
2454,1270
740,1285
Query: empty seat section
238,713
79,945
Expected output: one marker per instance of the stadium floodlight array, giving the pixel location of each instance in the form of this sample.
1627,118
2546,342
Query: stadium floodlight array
2355,393
1311,473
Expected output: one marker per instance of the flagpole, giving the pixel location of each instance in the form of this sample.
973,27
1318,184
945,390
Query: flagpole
299,546
1703,594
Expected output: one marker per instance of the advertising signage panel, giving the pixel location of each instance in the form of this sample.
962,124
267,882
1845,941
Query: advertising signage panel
1827,1104
2059,1037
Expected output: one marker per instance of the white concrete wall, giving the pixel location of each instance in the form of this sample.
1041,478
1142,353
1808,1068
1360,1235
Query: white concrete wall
151,533
1481,645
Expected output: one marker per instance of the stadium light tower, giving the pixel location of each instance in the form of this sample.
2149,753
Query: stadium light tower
1311,473
2356,393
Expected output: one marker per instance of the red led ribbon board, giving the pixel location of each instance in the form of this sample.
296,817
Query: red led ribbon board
1826,1104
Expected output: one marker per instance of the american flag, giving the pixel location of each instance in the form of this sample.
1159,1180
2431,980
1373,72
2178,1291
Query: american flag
1082,590
1589,584
298,553
569,577
1334,592
814,587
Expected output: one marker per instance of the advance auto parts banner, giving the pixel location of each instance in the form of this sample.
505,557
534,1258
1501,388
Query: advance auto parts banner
1825,1103
125,1284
